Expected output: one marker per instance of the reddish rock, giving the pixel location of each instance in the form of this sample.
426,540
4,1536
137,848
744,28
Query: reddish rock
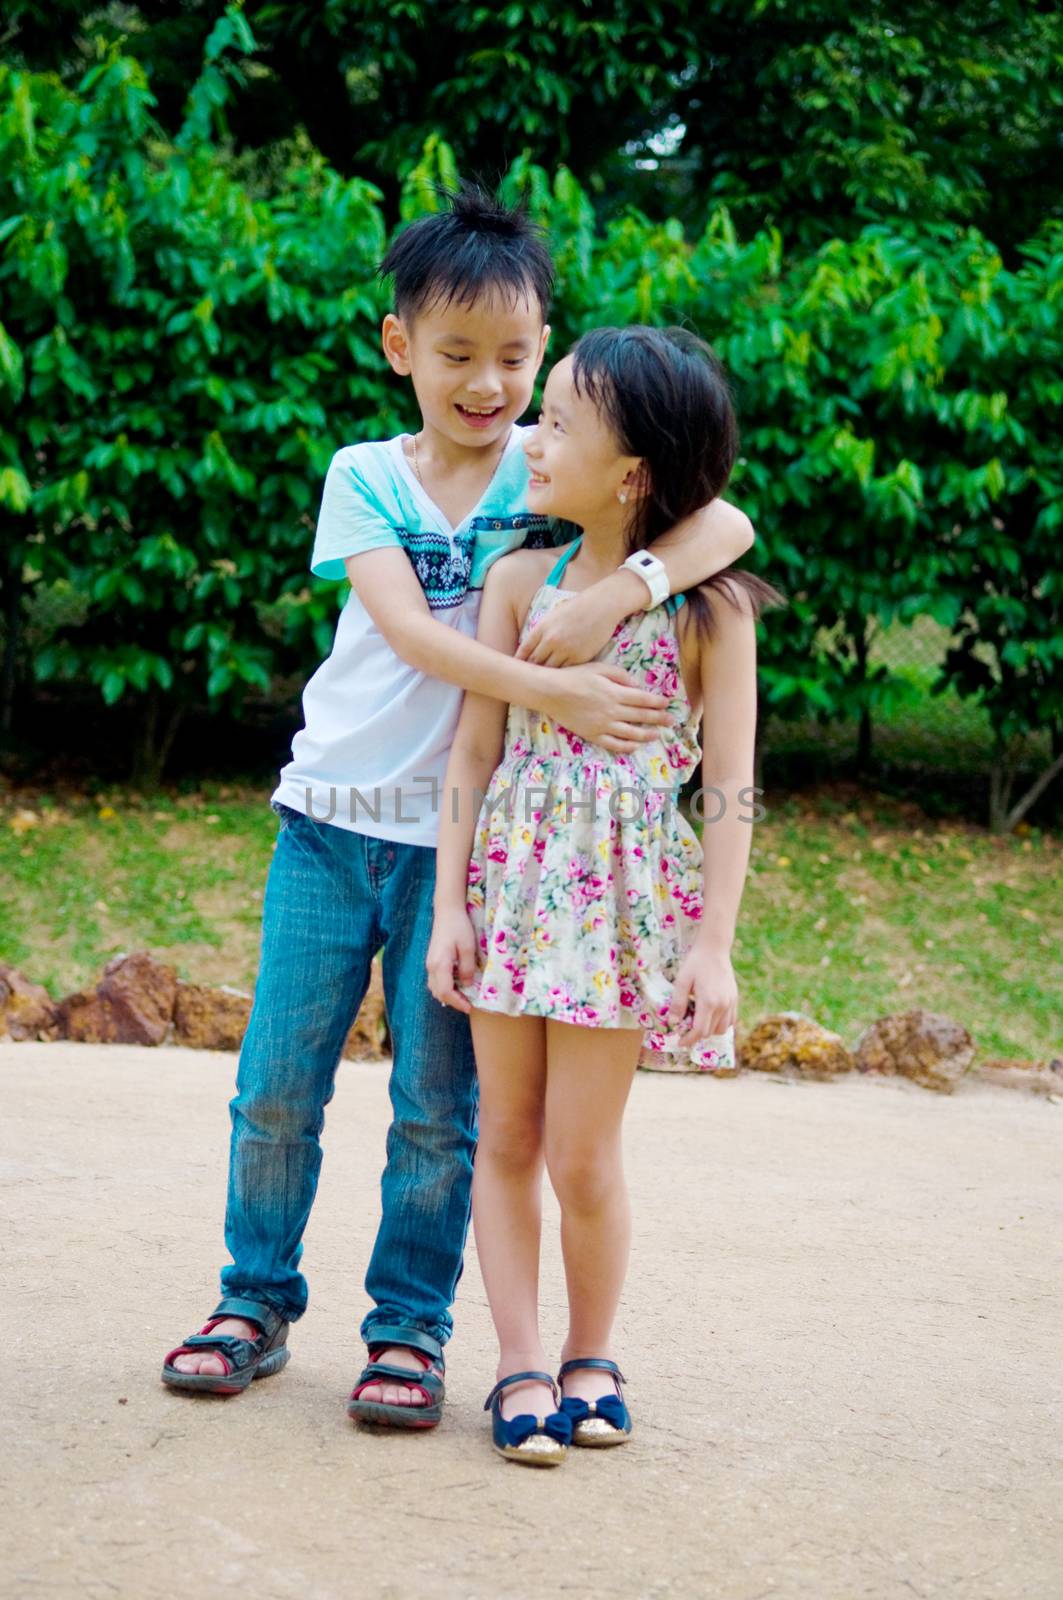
931,1050
26,1010
140,992
88,1019
794,1046
370,1037
210,1019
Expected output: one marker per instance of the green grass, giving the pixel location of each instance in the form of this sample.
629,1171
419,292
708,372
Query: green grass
855,906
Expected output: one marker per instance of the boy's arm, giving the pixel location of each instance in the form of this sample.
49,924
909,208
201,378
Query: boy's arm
600,703
713,538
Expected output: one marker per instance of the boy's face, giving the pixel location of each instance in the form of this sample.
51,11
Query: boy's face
473,367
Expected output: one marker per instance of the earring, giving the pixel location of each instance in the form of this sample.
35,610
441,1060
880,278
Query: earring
622,497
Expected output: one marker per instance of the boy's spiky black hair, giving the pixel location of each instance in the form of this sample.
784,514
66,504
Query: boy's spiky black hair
476,247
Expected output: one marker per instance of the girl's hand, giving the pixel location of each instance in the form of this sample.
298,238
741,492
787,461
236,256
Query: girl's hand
707,978
578,630
451,957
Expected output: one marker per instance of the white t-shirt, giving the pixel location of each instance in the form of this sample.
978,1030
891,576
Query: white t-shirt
373,752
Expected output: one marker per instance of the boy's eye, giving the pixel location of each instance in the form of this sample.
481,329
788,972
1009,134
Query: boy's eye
459,359
516,361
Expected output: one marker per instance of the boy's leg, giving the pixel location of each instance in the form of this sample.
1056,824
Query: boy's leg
425,1189
319,934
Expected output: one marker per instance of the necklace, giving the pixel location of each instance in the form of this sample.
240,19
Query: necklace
417,464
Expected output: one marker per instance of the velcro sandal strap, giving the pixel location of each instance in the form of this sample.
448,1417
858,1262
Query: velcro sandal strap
256,1311
240,1352
429,1382
387,1336
590,1363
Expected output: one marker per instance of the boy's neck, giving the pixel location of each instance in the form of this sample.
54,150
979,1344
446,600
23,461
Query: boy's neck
445,456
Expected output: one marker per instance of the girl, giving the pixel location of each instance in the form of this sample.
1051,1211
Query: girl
568,906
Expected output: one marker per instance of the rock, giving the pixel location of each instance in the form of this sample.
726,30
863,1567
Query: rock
141,993
1044,1078
370,1036
26,1010
932,1050
132,1004
88,1019
794,1045
210,1019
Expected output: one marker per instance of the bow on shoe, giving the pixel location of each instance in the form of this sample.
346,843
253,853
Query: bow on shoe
610,1408
557,1426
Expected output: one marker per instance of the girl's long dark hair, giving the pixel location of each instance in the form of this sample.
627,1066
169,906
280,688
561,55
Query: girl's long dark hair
664,395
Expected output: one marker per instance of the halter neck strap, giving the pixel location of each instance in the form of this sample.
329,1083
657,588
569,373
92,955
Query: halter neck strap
558,569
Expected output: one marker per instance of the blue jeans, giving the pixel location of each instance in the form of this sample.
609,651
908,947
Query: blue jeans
333,898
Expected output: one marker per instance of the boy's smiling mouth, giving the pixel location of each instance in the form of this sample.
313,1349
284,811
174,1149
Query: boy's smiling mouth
478,416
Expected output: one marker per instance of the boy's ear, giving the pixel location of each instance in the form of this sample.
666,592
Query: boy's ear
543,342
396,343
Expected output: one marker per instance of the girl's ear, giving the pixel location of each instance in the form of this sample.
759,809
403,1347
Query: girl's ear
637,481
396,343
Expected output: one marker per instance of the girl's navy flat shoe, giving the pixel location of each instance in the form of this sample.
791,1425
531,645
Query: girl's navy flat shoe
536,1441
597,1424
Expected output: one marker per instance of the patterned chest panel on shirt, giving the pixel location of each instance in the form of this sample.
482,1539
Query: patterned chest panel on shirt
444,569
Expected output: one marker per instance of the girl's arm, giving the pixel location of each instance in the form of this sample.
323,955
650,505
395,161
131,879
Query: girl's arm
728,674
474,755
713,538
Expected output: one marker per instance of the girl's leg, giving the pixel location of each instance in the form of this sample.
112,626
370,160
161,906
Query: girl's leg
589,1076
507,1193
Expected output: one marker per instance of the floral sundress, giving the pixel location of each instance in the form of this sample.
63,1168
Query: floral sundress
585,881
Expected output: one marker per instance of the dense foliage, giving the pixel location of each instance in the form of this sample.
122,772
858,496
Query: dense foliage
181,349
812,116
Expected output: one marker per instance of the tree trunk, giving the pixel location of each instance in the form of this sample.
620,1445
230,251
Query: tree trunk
154,742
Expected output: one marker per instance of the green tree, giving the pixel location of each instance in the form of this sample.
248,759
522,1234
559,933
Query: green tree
811,116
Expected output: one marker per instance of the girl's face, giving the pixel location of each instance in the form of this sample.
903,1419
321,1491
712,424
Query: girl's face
575,468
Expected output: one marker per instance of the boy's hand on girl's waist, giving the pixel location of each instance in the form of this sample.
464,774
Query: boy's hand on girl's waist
604,705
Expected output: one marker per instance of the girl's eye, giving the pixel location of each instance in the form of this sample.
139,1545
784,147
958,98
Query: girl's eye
458,359
517,361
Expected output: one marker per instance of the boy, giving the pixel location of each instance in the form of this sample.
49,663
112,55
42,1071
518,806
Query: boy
414,523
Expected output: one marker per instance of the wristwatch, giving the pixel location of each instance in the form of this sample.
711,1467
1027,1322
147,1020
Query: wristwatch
653,574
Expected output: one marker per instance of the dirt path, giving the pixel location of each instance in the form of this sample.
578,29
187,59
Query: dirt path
842,1334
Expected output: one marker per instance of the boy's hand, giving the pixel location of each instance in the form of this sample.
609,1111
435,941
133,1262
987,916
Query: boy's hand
604,705
451,957
580,629
707,978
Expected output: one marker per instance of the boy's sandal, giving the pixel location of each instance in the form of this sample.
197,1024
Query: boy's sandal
429,1352
244,1359
536,1441
597,1424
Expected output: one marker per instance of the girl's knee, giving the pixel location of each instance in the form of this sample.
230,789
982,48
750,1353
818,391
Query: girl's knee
584,1176
513,1143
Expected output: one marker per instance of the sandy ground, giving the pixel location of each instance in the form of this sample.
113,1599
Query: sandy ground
842,1334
